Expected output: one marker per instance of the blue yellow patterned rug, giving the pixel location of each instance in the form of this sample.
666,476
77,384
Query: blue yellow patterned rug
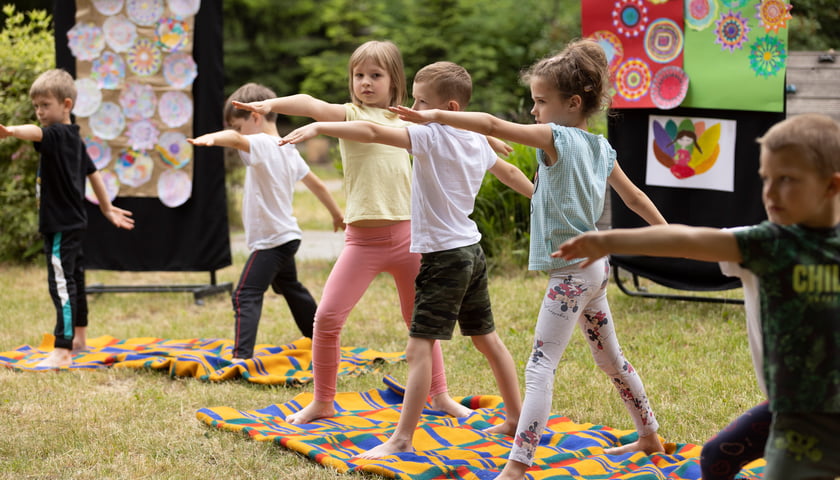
206,359
452,448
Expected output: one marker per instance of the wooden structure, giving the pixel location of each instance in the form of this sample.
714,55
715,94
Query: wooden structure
813,83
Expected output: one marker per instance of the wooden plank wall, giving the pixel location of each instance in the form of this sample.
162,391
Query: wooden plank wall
813,83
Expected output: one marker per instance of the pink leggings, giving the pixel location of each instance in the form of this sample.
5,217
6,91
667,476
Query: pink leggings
367,252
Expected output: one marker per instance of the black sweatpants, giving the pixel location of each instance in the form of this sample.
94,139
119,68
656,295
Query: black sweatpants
275,267
66,278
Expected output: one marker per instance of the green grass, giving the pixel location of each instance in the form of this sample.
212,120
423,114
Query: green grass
118,423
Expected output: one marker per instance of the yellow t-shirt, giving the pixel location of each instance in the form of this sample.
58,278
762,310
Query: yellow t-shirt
377,178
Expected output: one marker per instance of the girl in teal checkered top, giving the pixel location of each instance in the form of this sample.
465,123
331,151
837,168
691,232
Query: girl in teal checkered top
574,169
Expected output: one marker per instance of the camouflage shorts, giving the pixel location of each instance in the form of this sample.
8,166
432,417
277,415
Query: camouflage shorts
452,287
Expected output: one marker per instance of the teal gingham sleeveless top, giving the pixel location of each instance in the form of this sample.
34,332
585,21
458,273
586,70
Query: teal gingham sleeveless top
569,195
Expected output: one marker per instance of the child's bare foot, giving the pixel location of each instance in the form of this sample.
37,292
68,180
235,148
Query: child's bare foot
390,447
506,428
648,444
312,412
447,404
59,357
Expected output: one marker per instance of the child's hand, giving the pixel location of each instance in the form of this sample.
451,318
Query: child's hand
499,146
203,141
338,223
587,245
300,134
260,107
414,116
5,132
120,218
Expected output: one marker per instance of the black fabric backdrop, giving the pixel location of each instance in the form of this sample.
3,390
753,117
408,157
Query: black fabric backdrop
628,134
193,236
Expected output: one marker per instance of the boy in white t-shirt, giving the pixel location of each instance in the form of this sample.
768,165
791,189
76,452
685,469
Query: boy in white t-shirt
271,231
449,165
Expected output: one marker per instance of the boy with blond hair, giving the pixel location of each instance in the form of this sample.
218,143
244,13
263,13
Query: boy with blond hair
271,230
796,257
449,165
62,216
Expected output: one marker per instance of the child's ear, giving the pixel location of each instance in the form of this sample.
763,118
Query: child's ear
575,102
68,104
453,106
834,184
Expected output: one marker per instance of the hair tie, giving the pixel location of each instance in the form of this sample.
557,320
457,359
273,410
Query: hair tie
587,88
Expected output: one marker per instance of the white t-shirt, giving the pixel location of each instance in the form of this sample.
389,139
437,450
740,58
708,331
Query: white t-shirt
270,178
449,165
753,314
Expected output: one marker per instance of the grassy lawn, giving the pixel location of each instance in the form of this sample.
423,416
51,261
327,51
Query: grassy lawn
120,423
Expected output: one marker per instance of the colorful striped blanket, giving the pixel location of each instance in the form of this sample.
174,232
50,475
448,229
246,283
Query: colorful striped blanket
205,359
452,448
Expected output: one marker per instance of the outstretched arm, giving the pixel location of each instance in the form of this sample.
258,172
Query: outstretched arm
119,217
634,197
356,130
680,241
316,186
222,138
32,133
299,105
536,135
513,177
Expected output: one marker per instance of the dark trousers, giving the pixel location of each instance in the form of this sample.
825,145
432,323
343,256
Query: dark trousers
275,267
66,279
741,442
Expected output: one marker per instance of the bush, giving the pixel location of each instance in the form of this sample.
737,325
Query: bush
503,216
26,50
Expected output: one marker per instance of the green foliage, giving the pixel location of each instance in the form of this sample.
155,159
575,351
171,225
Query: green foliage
26,50
815,25
503,216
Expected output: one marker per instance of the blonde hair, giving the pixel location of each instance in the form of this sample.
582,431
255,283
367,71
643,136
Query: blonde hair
388,57
580,69
250,92
449,80
814,136
57,83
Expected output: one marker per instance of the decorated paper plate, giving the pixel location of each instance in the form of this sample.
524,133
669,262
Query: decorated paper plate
98,150
88,97
138,100
86,40
699,14
112,187
632,79
120,33
184,8
172,34
180,69
731,31
630,17
108,70
144,12
612,47
134,168
174,187
664,40
144,57
174,149
175,108
108,7
142,135
670,84
108,122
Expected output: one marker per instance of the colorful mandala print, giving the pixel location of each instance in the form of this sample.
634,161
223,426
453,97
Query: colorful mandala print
633,79
144,12
142,135
144,57
108,71
175,108
773,14
180,70
663,40
174,149
733,4
699,14
120,33
172,34
134,168
612,47
630,17
98,150
138,100
767,55
86,41
731,31
670,85
108,122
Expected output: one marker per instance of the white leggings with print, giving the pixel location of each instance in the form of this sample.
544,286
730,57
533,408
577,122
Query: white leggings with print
575,296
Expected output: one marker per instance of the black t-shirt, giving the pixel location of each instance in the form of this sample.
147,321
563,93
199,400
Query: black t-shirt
61,174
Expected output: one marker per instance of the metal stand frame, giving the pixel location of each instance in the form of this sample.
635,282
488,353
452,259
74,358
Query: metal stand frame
199,291
641,292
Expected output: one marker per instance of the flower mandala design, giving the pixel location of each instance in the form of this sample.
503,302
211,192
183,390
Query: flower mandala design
699,14
767,55
731,31
773,14
144,57
633,79
630,17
